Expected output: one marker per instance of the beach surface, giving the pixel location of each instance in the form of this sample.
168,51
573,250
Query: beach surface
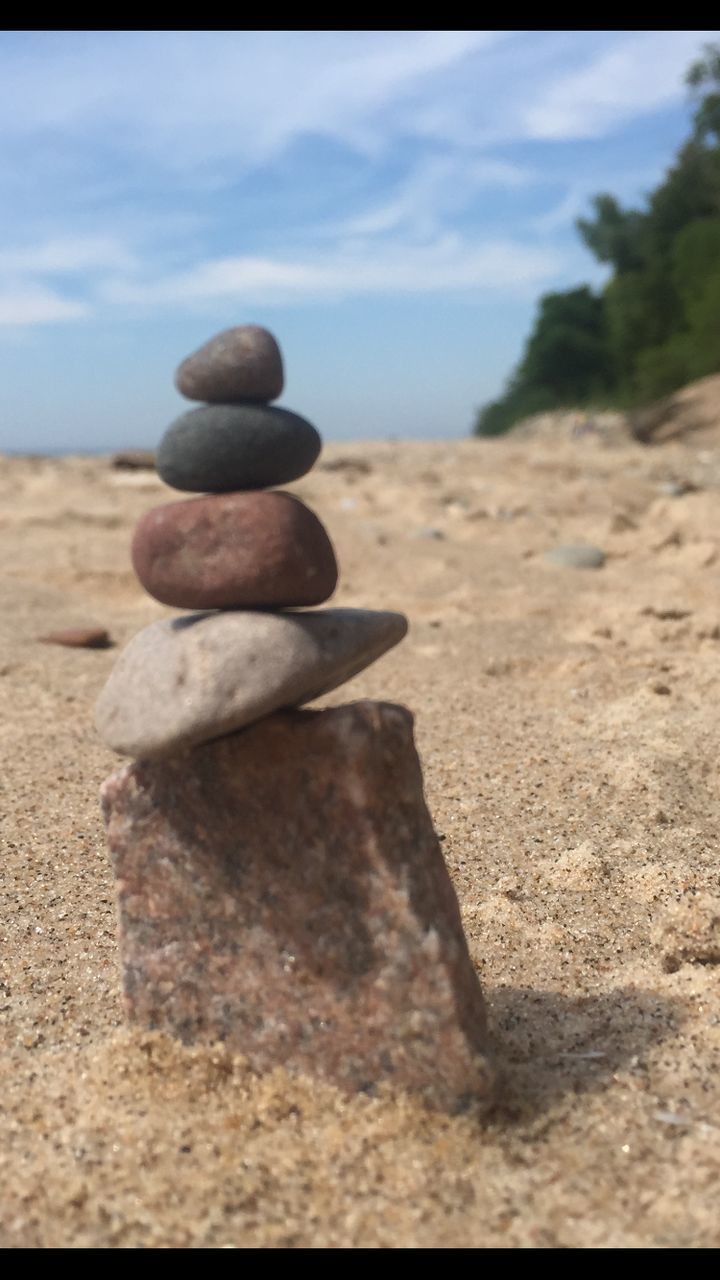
567,723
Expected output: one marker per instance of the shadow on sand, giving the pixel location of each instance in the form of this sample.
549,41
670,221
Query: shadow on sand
550,1045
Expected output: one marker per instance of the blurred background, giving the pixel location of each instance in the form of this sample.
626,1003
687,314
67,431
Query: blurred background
394,205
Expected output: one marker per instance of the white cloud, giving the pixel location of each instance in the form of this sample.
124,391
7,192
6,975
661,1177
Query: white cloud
641,74
565,211
134,133
196,97
194,101
630,186
449,263
438,187
67,255
35,305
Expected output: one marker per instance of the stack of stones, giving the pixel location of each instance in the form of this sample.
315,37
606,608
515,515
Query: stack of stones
280,885
245,551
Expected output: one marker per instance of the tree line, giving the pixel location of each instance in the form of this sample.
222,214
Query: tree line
656,324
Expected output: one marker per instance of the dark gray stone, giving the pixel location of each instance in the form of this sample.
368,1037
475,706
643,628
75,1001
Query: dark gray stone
223,448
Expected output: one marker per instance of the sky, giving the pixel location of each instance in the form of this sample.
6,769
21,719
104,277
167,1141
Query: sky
390,204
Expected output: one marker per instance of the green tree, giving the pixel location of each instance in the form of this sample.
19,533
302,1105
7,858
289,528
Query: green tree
706,71
691,190
567,351
656,324
565,361
614,235
696,266
642,310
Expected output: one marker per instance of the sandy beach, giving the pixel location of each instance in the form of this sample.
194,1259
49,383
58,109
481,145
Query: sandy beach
567,723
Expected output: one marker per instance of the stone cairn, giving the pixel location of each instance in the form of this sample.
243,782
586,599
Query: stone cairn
280,885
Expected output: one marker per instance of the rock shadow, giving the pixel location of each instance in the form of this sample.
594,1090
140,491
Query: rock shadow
550,1045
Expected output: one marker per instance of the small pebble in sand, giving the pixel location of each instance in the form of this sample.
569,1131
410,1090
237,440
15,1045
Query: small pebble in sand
437,534
581,556
677,488
133,460
79,638
353,466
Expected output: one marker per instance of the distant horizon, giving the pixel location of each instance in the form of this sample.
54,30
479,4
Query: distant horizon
141,448
386,203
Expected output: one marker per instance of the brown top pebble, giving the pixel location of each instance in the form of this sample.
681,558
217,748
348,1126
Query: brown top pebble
238,364
79,638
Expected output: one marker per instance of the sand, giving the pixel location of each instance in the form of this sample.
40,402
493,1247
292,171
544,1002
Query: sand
567,723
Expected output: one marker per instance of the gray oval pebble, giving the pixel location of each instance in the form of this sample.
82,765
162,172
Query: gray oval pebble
223,448
581,556
187,680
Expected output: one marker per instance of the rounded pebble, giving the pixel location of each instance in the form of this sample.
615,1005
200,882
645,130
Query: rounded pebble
133,460
238,364
436,535
78,638
235,550
220,449
213,673
577,557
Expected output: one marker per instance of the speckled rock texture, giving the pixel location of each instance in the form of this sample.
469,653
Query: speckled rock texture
183,681
283,891
235,550
223,448
243,363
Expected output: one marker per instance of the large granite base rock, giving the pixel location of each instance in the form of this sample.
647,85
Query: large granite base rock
283,890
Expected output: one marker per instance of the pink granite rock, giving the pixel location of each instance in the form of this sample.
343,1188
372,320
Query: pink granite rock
283,890
235,551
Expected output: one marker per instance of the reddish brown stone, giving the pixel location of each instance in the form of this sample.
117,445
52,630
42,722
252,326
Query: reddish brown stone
283,890
235,550
79,638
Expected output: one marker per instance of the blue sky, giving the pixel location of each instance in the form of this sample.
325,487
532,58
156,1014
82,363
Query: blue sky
391,204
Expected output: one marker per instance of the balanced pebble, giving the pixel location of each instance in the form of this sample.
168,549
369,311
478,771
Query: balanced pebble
235,550
212,673
243,363
223,448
